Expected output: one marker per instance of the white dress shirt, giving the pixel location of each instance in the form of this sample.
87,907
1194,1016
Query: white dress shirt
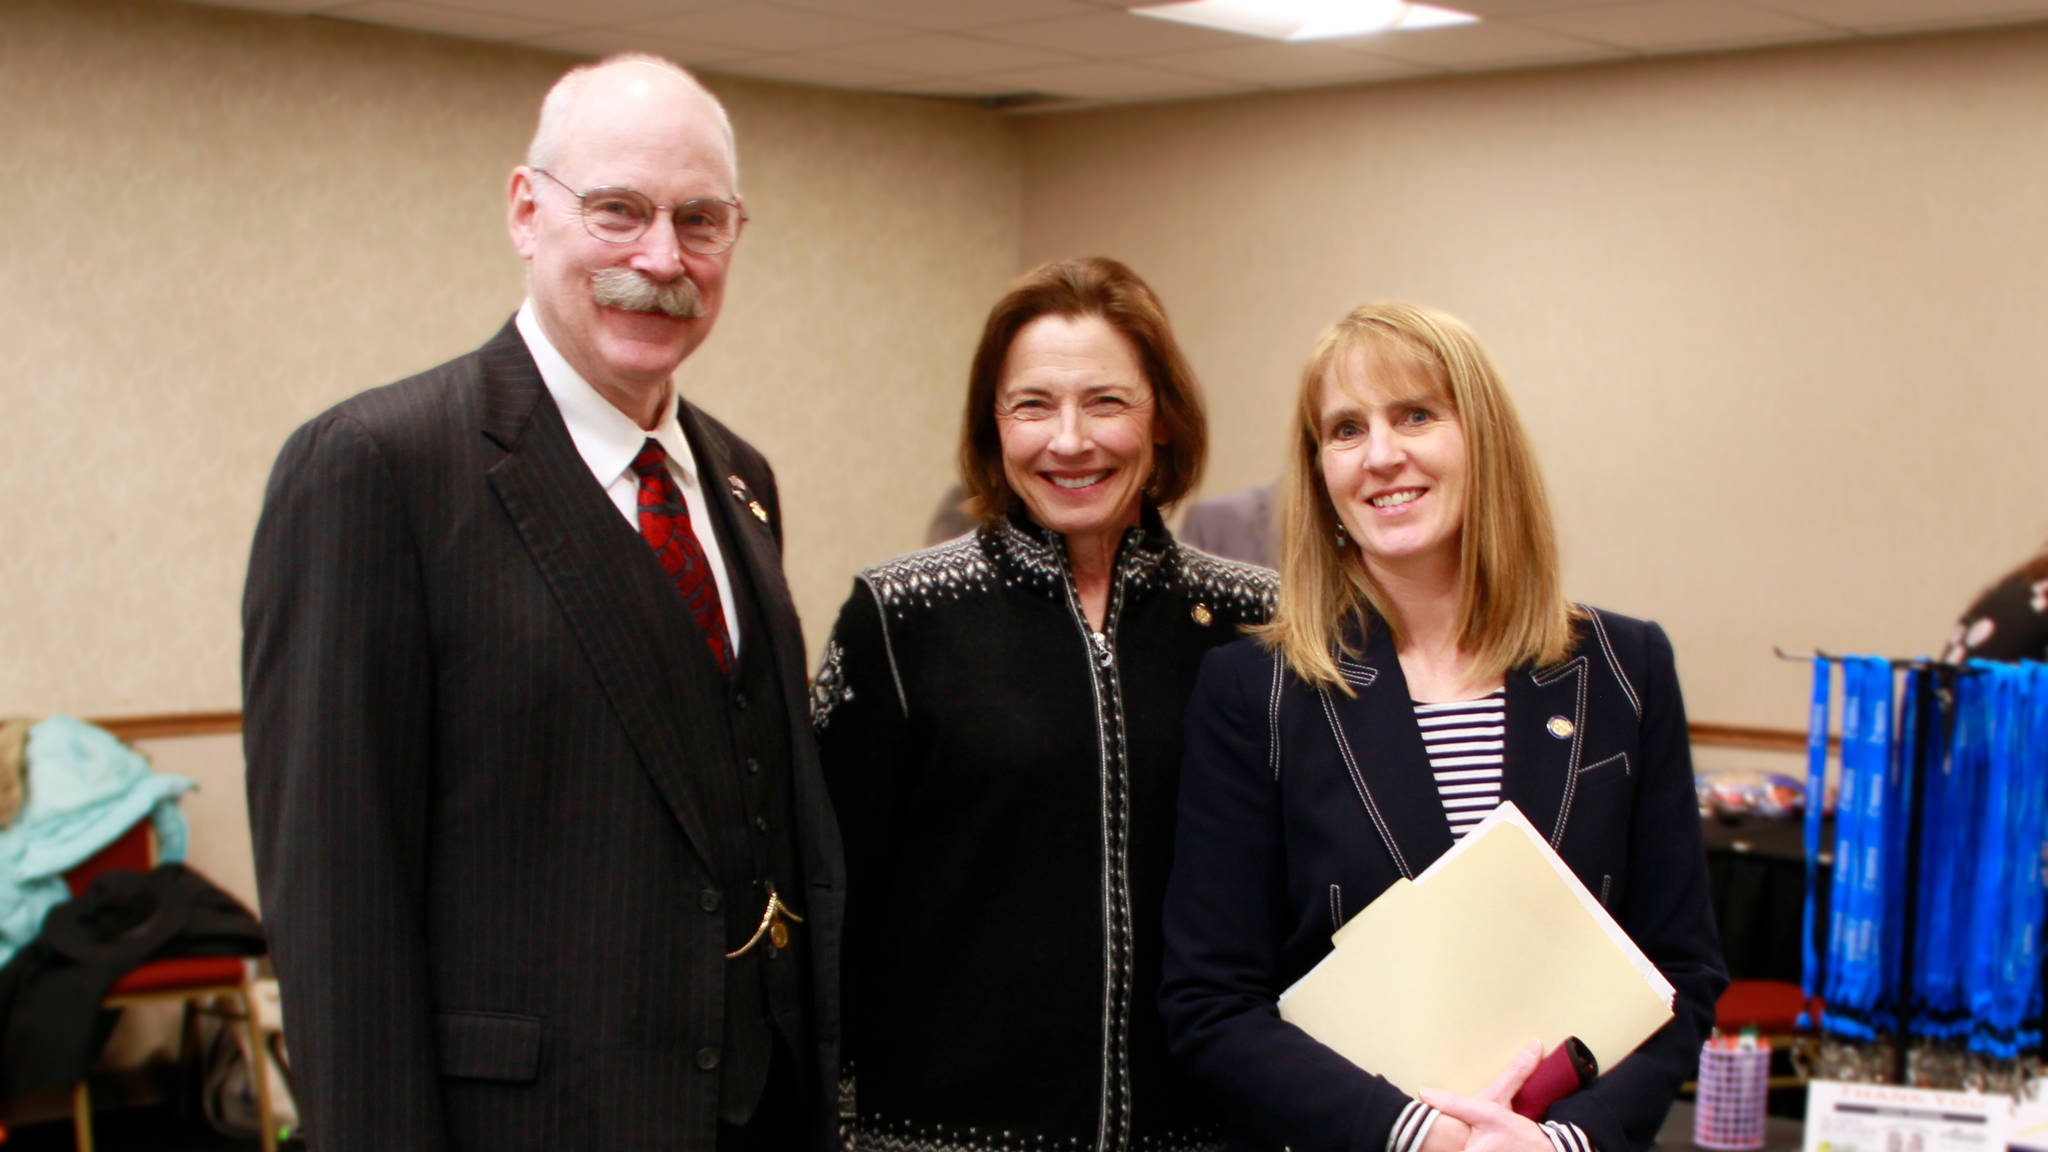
608,439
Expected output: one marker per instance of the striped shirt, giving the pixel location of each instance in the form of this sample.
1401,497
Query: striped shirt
1412,1126
1464,740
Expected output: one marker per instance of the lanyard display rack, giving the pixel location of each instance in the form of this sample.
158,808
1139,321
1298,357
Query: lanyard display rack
1929,963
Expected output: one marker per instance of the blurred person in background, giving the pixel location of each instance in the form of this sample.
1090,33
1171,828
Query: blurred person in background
2009,620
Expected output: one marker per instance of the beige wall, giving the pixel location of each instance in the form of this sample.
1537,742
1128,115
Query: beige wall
1773,318
221,222
1768,313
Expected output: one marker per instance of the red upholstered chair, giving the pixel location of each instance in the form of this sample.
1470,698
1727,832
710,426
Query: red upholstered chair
1773,1008
183,979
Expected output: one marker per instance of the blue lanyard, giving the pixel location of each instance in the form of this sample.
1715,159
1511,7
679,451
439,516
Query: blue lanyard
2028,724
1901,764
1850,980
1939,938
1848,861
1980,742
2005,911
1816,798
2034,760
1973,761
1848,864
1888,753
1857,998
2009,892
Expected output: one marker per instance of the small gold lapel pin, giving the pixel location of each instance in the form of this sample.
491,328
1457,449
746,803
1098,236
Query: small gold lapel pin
740,493
1560,727
1202,614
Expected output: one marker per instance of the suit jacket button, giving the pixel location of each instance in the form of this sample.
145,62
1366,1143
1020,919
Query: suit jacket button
753,765
708,900
707,1058
761,823
739,701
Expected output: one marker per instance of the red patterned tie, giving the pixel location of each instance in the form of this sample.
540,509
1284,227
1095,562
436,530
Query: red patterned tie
665,522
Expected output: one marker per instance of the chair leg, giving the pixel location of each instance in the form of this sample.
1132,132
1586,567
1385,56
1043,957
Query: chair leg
259,1059
81,1116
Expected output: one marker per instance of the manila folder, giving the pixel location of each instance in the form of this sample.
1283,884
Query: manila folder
1440,982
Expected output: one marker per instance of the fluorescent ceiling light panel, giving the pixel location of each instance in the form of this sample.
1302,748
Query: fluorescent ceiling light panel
1305,19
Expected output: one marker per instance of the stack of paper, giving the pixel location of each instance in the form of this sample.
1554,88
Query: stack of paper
1441,982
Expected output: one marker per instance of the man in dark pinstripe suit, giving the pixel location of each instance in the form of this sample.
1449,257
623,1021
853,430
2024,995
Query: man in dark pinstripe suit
545,858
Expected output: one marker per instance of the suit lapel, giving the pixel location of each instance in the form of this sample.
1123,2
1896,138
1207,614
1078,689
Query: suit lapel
1381,747
1546,730
747,538
612,594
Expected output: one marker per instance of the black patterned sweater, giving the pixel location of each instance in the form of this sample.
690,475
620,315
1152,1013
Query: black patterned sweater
1006,778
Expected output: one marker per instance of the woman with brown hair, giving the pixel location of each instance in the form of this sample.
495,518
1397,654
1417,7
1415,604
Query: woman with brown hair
1422,666
1000,722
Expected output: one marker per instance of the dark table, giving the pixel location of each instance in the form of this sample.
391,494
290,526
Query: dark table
1756,870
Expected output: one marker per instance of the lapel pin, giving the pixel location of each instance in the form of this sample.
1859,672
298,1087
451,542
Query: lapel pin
1560,727
740,493
1202,615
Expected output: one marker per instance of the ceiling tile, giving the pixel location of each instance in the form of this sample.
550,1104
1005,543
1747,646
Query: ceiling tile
940,55
1065,46
1289,65
955,87
596,42
1680,25
1482,45
950,15
468,23
810,70
1516,9
1110,35
1904,15
300,6
588,13
1101,80
761,28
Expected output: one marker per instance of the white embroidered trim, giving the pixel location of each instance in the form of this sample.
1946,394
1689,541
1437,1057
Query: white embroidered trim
829,688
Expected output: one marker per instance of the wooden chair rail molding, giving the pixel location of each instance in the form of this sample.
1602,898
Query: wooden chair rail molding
1763,739
173,724
163,725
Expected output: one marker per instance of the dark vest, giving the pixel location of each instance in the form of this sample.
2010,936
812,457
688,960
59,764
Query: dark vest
752,821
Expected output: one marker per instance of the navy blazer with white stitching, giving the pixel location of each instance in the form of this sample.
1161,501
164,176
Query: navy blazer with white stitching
1277,845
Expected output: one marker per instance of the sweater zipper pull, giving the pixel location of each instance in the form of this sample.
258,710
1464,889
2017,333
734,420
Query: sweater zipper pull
1101,640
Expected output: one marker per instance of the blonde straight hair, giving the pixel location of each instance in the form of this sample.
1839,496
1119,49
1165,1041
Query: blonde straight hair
1511,608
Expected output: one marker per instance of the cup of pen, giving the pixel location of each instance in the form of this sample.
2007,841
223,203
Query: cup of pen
1735,1081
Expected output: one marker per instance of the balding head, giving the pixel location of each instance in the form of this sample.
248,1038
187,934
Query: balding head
626,75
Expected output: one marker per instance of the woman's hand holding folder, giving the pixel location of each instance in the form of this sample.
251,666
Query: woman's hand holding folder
1486,1121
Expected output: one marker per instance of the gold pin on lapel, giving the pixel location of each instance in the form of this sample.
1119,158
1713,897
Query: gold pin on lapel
739,492
1560,727
1202,615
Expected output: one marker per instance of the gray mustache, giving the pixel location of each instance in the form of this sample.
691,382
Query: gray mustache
634,292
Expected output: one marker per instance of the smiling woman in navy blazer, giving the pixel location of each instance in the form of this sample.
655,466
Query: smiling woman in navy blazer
1423,666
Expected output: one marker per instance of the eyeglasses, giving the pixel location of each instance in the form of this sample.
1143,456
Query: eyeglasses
621,216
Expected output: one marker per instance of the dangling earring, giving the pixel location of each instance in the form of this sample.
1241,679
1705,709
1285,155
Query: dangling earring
1343,541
